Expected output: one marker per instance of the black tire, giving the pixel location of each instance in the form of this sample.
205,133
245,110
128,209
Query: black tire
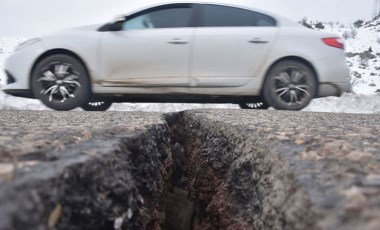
97,105
254,105
290,85
61,82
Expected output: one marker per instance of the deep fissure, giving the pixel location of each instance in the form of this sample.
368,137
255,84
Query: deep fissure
197,189
186,171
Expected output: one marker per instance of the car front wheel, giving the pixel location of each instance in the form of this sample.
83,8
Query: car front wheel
289,85
61,82
254,105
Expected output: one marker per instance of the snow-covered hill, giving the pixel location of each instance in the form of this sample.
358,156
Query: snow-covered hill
363,57
363,53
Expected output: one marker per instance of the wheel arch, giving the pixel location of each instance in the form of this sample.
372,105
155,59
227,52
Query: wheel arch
59,51
290,58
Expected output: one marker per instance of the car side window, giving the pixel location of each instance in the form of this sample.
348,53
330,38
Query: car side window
224,16
173,17
264,20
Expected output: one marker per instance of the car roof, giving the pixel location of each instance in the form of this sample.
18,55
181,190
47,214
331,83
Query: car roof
213,2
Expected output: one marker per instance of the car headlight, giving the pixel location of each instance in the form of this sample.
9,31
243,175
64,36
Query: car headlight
27,43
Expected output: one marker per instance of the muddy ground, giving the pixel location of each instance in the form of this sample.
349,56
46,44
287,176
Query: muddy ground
202,169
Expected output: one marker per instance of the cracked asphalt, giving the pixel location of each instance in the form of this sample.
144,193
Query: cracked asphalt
334,159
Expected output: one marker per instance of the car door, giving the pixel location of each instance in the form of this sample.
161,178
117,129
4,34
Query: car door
230,45
151,49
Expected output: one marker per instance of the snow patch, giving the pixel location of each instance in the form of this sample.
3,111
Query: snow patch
365,72
347,103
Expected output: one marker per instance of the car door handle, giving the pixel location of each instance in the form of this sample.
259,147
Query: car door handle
258,41
178,42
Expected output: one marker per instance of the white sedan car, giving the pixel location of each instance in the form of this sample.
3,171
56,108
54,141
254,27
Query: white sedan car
182,52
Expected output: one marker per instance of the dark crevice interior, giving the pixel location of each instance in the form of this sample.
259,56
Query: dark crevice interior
195,184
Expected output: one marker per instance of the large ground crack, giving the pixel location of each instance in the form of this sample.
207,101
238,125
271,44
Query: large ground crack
187,172
234,181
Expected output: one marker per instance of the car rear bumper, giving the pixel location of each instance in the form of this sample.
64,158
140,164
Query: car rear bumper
333,89
333,76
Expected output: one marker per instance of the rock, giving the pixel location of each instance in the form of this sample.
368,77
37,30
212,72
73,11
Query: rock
7,171
367,55
372,180
355,200
356,74
372,85
358,156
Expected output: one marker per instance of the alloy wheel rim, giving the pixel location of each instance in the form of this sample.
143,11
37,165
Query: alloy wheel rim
292,87
59,81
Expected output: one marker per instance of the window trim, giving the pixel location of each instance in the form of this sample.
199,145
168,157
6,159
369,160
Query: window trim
259,13
196,17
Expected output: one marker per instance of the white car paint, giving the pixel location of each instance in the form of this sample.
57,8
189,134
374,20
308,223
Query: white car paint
149,57
212,61
228,58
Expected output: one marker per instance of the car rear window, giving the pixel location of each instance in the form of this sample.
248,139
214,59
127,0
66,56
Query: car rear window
225,16
264,20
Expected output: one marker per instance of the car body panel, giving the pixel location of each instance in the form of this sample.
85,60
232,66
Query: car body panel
230,57
148,57
20,65
215,61
83,42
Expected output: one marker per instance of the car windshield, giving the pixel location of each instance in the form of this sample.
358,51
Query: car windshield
165,18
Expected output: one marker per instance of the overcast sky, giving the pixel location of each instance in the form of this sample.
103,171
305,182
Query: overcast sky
29,18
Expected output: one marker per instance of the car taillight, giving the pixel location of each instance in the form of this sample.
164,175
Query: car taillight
334,42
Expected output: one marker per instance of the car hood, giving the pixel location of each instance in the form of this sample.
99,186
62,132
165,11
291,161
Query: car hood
86,28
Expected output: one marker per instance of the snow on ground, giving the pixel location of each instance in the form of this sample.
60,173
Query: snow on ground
364,64
365,78
347,103
8,102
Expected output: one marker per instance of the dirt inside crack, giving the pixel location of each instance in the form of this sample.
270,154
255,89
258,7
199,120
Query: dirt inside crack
198,197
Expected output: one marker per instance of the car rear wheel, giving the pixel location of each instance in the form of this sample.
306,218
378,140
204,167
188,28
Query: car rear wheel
290,85
61,82
97,105
254,105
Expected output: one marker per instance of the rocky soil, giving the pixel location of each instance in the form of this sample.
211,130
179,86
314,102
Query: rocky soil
199,169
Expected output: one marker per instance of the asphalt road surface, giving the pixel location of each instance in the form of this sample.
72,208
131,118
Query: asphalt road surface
243,170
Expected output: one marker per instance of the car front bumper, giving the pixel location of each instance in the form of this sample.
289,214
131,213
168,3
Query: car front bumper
18,68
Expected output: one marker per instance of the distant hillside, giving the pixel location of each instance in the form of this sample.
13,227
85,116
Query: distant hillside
362,39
